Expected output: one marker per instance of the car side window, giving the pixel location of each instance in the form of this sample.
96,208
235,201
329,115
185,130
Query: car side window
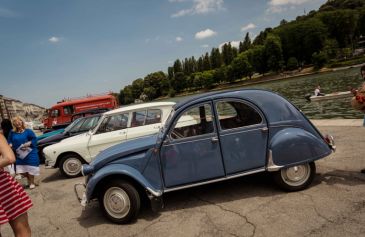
234,114
194,122
138,118
113,123
153,116
68,110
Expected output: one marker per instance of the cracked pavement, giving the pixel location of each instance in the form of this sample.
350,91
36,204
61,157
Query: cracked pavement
334,205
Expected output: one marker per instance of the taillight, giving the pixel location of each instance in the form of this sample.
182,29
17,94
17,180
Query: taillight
330,141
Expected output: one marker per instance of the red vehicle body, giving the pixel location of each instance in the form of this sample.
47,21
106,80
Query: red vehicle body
62,112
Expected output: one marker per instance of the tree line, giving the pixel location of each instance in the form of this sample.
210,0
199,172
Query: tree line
330,33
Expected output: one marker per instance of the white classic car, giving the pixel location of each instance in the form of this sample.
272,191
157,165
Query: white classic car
114,127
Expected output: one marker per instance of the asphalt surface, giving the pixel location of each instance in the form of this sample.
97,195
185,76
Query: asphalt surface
334,205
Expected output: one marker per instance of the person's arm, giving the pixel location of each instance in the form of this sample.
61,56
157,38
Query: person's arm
7,156
32,139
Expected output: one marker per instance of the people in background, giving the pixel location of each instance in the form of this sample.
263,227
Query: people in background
317,91
14,201
24,143
362,88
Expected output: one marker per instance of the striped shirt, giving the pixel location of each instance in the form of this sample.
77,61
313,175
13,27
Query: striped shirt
14,201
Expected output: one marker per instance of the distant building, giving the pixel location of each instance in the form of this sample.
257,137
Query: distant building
10,108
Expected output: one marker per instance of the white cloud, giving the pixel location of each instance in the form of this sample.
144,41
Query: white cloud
287,2
235,44
279,6
200,7
205,46
205,34
179,39
248,27
178,0
54,40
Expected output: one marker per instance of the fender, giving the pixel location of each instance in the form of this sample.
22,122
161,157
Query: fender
292,146
119,169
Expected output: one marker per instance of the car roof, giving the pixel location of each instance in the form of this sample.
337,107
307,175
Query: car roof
92,111
140,106
274,106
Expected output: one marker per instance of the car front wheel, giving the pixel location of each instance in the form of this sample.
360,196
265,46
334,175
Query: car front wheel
120,201
295,178
70,165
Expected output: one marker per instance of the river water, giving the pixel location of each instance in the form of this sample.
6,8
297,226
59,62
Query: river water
295,89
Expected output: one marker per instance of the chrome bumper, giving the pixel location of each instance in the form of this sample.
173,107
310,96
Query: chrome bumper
82,200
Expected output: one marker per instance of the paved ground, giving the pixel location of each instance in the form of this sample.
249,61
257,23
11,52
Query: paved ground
250,206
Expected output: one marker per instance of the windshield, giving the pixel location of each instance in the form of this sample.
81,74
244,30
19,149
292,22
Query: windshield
73,124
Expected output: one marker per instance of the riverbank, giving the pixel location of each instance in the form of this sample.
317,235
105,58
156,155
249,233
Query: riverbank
259,79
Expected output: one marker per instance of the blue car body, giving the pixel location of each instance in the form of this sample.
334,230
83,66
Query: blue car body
48,134
279,136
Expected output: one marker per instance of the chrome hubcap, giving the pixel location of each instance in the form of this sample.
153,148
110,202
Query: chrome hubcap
72,166
296,175
117,202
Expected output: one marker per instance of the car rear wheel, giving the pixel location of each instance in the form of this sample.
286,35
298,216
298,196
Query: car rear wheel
295,178
70,165
120,201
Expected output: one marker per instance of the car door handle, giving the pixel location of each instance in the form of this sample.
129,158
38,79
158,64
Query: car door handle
265,129
157,127
215,139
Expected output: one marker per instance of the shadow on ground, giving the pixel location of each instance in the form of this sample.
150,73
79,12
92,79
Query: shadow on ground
258,185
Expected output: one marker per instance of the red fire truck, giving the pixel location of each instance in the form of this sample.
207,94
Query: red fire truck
61,113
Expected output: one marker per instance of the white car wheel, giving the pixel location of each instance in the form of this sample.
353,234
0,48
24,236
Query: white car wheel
120,201
70,165
297,177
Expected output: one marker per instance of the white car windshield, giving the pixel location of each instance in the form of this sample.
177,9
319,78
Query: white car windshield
73,124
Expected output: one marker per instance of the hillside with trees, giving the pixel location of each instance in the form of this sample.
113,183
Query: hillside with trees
329,36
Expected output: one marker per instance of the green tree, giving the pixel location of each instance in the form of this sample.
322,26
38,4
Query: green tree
257,58
153,80
137,87
292,63
273,53
341,25
121,98
215,58
128,94
245,45
302,38
200,64
227,53
219,75
241,67
319,59
206,62
150,92
179,82
260,39
177,66
331,48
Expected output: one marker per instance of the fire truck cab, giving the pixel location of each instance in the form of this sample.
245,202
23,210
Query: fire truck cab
61,113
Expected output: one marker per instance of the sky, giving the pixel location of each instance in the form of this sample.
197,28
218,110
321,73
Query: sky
55,49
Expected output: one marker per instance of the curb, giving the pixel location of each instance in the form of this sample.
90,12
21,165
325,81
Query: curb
338,122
